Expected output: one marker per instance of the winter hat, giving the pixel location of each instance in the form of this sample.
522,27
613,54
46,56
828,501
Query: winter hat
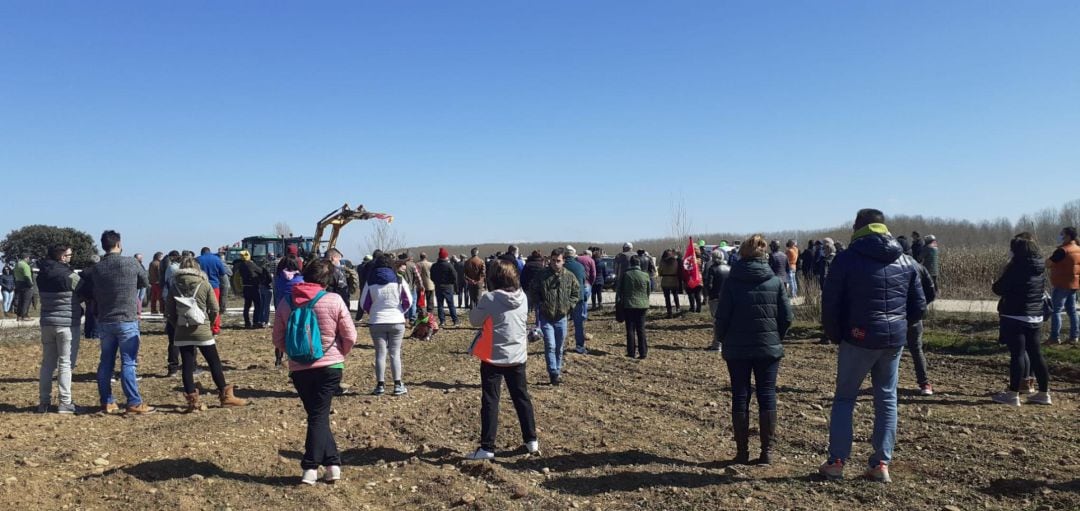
627,246
443,254
570,251
292,250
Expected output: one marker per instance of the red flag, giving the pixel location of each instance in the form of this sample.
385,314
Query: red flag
690,266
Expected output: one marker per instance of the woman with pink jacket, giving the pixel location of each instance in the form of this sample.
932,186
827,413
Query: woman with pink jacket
317,381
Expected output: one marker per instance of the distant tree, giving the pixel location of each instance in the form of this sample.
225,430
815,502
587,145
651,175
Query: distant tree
282,229
36,240
681,225
385,237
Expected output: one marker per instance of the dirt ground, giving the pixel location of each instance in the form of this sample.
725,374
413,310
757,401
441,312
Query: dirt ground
618,434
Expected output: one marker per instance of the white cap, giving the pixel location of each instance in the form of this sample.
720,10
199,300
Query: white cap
570,251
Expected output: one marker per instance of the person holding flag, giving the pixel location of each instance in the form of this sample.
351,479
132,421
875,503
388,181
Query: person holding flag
691,275
501,346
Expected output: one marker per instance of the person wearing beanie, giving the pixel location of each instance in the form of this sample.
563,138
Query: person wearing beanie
581,311
444,278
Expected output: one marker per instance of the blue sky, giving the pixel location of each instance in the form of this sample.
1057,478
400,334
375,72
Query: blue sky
183,124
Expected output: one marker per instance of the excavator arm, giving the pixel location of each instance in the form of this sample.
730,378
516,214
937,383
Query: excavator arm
336,220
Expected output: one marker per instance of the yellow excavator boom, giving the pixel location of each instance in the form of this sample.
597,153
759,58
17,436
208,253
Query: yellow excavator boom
336,220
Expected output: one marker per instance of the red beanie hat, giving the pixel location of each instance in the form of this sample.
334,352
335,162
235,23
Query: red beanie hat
291,250
443,254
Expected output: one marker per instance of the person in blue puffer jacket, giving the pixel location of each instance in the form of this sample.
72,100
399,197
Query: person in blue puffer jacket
287,275
871,295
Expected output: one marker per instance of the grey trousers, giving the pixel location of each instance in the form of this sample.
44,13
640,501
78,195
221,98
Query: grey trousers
387,338
55,351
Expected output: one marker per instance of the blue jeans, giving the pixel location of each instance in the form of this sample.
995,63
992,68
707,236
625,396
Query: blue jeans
853,364
579,315
793,283
411,313
445,296
1063,298
554,343
262,315
8,297
125,338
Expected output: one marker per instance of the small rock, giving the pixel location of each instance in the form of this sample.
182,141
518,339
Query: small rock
466,500
713,404
101,462
951,508
196,477
203,407
546,470
817,407
11,480
519,491
1019,451
152,491
966,431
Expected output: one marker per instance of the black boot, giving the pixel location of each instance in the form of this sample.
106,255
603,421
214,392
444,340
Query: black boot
768,434
740,424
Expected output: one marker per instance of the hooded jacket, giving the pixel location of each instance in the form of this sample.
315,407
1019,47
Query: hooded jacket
754,312
335,325
508,338
385,297
56,286
872,293
1021,287
191,282
533,266
633,290
283,284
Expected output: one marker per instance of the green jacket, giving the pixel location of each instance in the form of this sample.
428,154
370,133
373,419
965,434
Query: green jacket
557,293
186,282
754,312
634,289
23,274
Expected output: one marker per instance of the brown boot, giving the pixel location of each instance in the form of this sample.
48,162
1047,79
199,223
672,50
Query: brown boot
192,402
228,399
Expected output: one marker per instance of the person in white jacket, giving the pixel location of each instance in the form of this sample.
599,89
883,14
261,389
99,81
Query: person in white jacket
501,346
386,298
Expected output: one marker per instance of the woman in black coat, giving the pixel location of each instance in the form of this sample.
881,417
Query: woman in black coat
1020,309
752,318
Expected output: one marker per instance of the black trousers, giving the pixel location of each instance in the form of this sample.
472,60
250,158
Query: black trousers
597,295
174,351
23,299
251,298
491,377
635,332
695,299
1025,355
316,388
210,353
670,292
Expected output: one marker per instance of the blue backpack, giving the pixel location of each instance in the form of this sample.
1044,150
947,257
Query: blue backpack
303,340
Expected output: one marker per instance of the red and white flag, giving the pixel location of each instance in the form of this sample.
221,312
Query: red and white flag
690,266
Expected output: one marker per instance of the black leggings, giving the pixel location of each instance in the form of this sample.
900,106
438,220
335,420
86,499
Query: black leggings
670,292
1025,354
187,354
695,299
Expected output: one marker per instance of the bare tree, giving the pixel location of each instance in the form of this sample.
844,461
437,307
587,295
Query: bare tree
680,219
384,237
282,229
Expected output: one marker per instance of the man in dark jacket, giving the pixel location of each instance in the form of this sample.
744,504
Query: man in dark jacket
778,261
716,274
556,292
634,301
871,296
445,279
61,316
251,274
915,330
458,262
534,266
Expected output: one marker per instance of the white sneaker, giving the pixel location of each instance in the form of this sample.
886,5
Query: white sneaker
481,454
333,474
311,476
1007,398
533,446
1039,398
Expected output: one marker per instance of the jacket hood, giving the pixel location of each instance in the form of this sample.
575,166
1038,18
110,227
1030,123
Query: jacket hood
289,274
876,246
303,292
1033,265
508,299
752,270
382,276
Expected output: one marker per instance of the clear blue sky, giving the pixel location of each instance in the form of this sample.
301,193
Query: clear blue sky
183,124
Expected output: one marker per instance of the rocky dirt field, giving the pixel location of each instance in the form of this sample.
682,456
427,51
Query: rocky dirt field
618,434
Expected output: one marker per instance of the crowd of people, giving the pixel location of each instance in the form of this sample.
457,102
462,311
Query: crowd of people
874,295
